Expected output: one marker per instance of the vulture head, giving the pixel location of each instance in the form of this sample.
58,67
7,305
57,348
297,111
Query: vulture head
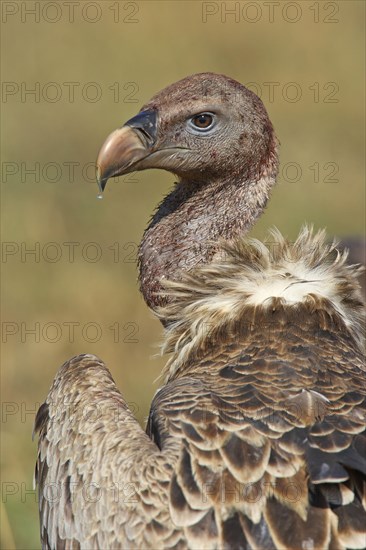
203,128
215,136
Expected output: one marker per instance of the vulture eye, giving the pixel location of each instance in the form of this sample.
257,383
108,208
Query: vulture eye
202,122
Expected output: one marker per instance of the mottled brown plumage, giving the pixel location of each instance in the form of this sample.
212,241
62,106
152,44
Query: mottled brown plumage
256,439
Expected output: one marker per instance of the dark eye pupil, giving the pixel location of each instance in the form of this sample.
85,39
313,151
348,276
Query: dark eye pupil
202,121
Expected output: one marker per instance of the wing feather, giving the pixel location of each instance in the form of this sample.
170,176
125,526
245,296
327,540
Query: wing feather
273,445
92,493
245,453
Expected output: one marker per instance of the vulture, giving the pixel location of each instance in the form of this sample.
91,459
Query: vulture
256,438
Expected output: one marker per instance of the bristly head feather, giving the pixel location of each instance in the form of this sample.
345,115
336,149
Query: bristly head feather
248,276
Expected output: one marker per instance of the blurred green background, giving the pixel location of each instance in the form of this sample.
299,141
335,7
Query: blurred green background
91,66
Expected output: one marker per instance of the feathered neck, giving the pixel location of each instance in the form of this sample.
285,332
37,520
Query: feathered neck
249,280
189,223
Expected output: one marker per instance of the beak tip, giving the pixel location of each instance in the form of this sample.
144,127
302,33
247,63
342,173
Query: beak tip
100,180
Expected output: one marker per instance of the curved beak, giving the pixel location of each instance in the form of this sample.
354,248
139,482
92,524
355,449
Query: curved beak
125,147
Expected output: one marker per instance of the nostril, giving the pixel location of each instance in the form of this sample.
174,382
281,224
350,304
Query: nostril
146,138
